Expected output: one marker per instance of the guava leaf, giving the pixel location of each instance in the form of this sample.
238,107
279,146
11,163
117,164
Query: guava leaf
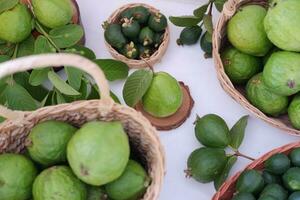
4,58
7,5
26,47
113,69
7,49
2,119
199,12
219,4
61,85
136,86
224,175
114,97
60,98
74,77
42,45
185,21
208,24
81,50
94,94
43,102
237,132
38,76
66,36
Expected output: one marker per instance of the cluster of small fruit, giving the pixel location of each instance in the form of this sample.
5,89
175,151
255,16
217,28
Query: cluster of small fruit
279,180
138,33
265,56
87,163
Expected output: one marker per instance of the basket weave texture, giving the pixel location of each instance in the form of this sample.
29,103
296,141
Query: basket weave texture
143,137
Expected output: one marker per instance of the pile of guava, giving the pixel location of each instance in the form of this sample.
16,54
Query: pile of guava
64,162
264,56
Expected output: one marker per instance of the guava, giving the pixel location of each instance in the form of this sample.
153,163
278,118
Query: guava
268,55
15,24
53,13
263,98
145,52
267,197
158,39
281,74
270,178
130,51
131,185
131,28
295,157
141,14
246,32
146,36
291,179
294,112
294,196
164,96
282,27
114,36
157,22
189,35
275,190
243,196
240,67
250,181
47,142
59,183
96,193
206,43
17,174
99,152
278,164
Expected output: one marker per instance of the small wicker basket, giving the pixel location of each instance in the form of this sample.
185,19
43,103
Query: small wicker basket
238,92
227,190
143,136
132,63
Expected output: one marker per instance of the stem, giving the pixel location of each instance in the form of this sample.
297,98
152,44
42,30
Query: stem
237,153
14,56
47,36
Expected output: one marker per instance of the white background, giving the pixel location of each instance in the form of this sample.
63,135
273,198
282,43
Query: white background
186,64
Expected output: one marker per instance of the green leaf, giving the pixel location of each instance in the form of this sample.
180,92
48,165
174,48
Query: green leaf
7,49
42,45
81,50
208,24
44,101
74,77
113,69
66,36
199,12
7,5
60,99
224,175
136,86
26,47
83,91
53,98
61,85
4,58
185,21
48,100
94,93
237,132
219,4
38,76
2,119
114,97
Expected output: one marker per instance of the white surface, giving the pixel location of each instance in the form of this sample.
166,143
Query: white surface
186,64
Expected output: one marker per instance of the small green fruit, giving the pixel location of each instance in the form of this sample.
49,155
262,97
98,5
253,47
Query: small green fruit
270,178
206,43
158,39
131,28
243,196
15,24
146,36
96,193
126,14
294,113
158,22
98,152
276,191
291,179
189,35
145,52
130,51
294,196
295,157
114,36
164,96
278,164
131,185
250,181
141,14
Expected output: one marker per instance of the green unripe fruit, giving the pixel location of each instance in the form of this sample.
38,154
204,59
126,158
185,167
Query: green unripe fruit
294,113
294,196
164,96
145,52
189,35
276,191
206,43
250,181
243,196
130,51
158,39
146,36
131,28
96,193
141,14
295,157
158,22
114,36
278,164
291,179
270,178
126,14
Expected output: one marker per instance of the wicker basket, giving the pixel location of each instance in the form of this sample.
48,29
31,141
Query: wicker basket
132,63
143,137
227,190
238,92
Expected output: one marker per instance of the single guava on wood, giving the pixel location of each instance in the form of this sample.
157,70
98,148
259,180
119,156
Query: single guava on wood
265,100
96,193
282,24
282,73
53,13
58,183
131,185
164,96
17,174
99,152
47,142
246,32
15,24
294,112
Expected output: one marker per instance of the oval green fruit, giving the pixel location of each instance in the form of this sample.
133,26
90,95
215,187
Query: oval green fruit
295,157
243,196
246,32
17,174
265,100
240,67
158,39
294,112
206,43
58,183
212,131
131,51
250,181
189,35
114,36
98,152
291,179
164,96
144,52
15,24
278,164
294,196
141,14
270,178
276,191
146,36
131,28
206,164
96,193
158,22
131,185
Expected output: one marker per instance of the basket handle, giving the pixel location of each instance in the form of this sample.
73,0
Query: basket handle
54,60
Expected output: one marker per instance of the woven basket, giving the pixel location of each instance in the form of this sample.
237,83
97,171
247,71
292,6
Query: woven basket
227,190
132,63
143,137
238,92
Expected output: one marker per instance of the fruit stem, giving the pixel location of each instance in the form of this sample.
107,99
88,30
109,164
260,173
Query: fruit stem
237,153
188,173
47,36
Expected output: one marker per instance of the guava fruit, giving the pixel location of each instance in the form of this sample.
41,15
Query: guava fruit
157,22
114,36
131,185
126,14
164,96
131,28
246,32
158,39
250,181
294,196
282,27
59,183
240,67
295,157
270,178
47,142
145,52
243,196
291,179
206,43
130,51
15,24
267,197
17,174
278,164
99,152
263,98
53,13
141,14
189,35
96,193
146,36
275,190
281,74
294,112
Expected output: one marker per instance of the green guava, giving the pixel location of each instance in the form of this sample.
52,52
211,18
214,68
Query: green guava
265,100
58,183
282,27
246,32
15,24
96,193
189,35
164,96
17,174
47,142
282,73
294,112
114,36
158,22
250,181
53,13
146,36
99,152
131,185
240,67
